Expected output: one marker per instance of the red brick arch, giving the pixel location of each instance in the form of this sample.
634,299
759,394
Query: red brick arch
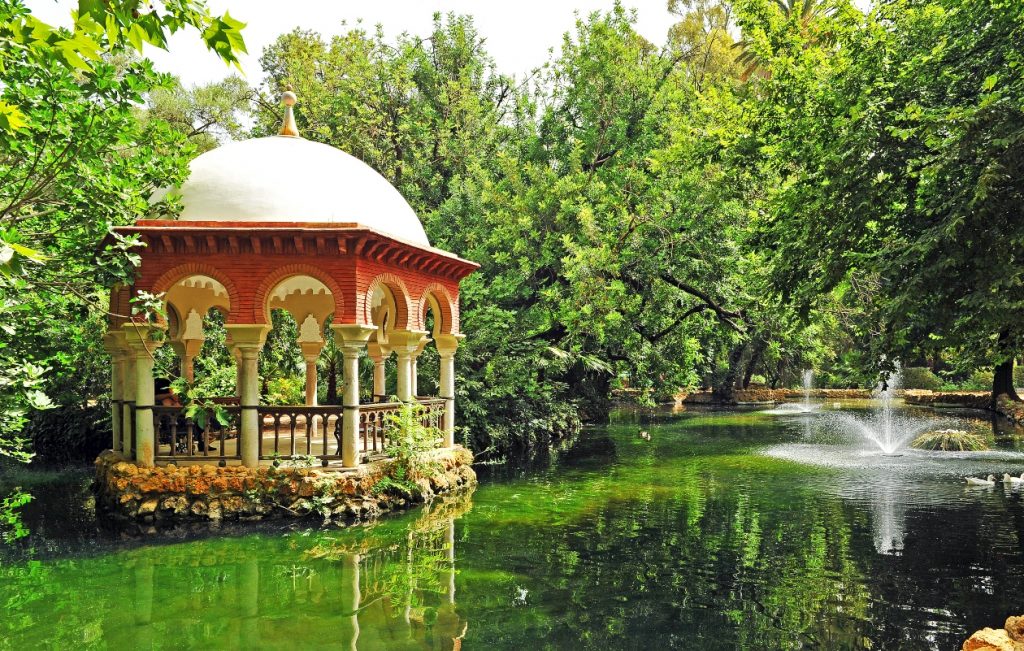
403,300
287,271
449,308
173,276
120,305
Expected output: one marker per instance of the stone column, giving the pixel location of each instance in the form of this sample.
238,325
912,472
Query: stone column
310,353
123,379
192,348
190,343
415,369
378,354
186,350
128,406
351,338
405,343
311,342
114,344
143,341
446,346
236,355
248,340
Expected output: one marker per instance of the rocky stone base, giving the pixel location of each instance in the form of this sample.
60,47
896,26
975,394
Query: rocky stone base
1008,638
171,493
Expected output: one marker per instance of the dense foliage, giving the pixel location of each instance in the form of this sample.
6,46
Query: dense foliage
836,190
75,158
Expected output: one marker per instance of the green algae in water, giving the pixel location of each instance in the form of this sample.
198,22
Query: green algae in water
691,539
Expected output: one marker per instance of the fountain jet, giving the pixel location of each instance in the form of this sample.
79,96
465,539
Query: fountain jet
798,408
883,429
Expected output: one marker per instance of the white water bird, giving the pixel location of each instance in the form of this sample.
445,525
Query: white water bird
1010,479
988,481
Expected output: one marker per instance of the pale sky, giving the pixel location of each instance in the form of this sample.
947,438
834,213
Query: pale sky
518,34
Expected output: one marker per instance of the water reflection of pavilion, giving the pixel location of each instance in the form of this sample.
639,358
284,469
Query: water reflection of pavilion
388,586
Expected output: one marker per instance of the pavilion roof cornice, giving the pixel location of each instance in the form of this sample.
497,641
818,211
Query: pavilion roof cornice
290,238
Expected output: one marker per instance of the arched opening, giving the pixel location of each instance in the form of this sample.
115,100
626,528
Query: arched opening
190,302
427,367
196,370
281,367
383,308
300,309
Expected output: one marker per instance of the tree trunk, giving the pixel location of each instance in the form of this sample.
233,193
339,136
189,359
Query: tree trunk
592,391
1002,380
726,390
755,359
332,383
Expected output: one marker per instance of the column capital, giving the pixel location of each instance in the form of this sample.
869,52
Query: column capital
406,342
378,352
352,335
247,337
186,347
423,344
311,349
142,338
447,344
114,343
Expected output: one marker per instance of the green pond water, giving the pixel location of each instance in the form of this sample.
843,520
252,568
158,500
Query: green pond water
726,530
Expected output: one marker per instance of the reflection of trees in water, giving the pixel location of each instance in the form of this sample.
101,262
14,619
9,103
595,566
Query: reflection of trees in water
689,554
386,585
11,526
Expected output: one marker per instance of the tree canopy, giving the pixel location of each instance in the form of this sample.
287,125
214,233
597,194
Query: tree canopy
776,186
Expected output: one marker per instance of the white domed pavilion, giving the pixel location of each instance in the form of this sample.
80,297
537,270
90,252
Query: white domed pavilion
284,223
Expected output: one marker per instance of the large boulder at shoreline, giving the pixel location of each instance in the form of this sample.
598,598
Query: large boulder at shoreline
1009,638
1014,627
988,639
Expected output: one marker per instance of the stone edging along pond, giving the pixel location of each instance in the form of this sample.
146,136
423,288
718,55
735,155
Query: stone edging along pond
1012,411
170,493
764,394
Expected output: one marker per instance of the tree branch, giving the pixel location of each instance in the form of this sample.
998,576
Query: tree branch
727,317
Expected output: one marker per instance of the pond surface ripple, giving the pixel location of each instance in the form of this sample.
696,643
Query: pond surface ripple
727,530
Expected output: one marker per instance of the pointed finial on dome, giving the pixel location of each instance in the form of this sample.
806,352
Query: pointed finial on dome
288,128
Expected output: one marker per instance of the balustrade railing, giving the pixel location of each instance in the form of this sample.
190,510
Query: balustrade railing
432,412
287,432
296,432
179,437
373,425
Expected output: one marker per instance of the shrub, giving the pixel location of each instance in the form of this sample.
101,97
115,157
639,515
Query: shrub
921,377
286,391
410,447
950,440
979,380
70,434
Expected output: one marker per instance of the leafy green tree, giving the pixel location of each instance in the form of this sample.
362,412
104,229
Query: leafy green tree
74,160
902,153
207,115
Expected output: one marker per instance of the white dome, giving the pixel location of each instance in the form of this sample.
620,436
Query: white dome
288,179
